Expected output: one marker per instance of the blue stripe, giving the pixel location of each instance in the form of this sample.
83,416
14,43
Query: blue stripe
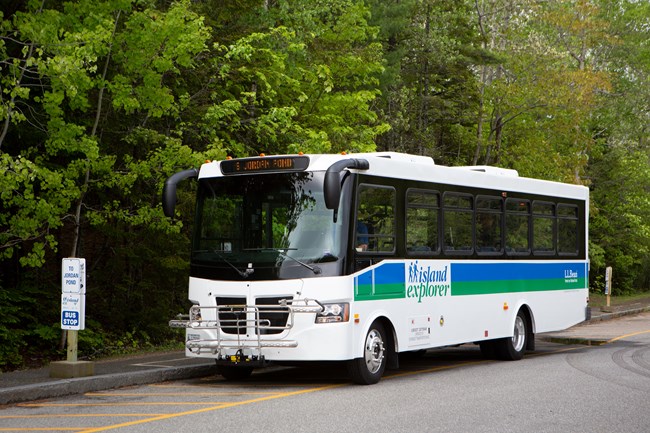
513,271
390,273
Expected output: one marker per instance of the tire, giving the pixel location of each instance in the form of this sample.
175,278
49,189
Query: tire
233,372
368,369
513,348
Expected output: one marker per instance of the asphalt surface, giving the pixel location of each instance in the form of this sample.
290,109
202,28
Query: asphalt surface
36,384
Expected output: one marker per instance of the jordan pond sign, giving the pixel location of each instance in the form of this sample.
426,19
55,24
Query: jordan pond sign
422,280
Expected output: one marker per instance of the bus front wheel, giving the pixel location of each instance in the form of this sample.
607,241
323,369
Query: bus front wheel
513,348
368,369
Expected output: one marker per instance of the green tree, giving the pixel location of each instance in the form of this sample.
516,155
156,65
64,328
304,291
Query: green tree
64,84
86,86
101,101
620,227
536,103
429,88
619,165
305,82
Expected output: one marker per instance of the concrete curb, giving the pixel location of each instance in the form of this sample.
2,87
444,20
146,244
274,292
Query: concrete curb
80,385
614,315
596,319
576,340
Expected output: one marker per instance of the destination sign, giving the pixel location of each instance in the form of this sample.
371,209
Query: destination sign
266,163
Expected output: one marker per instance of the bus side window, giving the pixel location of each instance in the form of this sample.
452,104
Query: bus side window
422,215
489,217
375,219
567,229
458,222
543,228
517,226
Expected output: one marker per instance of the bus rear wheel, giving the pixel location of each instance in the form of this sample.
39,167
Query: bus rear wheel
513,348
368,369
234,372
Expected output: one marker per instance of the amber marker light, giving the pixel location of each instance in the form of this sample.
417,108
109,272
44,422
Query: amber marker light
505,306
356,318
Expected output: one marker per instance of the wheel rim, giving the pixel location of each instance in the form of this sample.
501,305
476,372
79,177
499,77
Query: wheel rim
374,353
519,337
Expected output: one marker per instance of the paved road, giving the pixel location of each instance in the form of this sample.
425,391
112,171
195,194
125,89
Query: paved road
559,388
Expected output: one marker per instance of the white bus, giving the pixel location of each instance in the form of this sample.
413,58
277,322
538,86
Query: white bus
358,258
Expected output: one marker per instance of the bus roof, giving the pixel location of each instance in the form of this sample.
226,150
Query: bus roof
413,167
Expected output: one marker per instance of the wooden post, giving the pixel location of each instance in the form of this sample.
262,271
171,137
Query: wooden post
608,283
73,337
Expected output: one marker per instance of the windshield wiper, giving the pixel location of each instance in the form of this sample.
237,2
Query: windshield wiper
282,251
243,274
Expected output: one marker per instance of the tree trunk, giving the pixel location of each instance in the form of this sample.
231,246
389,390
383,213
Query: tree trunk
93,133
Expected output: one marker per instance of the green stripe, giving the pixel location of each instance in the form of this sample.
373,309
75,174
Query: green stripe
462,288
382,291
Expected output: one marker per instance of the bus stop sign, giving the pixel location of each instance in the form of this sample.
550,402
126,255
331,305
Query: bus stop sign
73,294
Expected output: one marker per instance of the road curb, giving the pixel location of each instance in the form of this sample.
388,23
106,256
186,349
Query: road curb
576,340
560,339
82,385
614,315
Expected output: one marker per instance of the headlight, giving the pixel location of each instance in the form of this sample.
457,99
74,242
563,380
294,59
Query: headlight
333,313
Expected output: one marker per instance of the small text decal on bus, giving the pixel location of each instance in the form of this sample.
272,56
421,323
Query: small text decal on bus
570,276
428,280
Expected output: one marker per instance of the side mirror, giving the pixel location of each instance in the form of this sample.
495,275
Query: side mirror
169,190
332,182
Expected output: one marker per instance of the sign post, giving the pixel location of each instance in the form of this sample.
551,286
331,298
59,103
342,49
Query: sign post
73,317
608,283
73,301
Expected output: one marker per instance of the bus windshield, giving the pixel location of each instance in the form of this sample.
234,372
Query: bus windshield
264,227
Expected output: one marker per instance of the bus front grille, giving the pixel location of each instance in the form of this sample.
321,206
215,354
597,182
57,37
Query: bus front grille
243,327
231,314
267,318
271,313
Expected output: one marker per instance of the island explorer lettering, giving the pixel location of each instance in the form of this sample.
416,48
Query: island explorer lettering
428,282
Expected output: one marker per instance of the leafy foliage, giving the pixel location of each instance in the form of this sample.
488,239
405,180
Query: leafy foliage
620,224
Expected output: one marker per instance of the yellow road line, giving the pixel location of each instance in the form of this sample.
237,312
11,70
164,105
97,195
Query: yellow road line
248,385
44,429
209,409
175,403
627,335
172,394
82,415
